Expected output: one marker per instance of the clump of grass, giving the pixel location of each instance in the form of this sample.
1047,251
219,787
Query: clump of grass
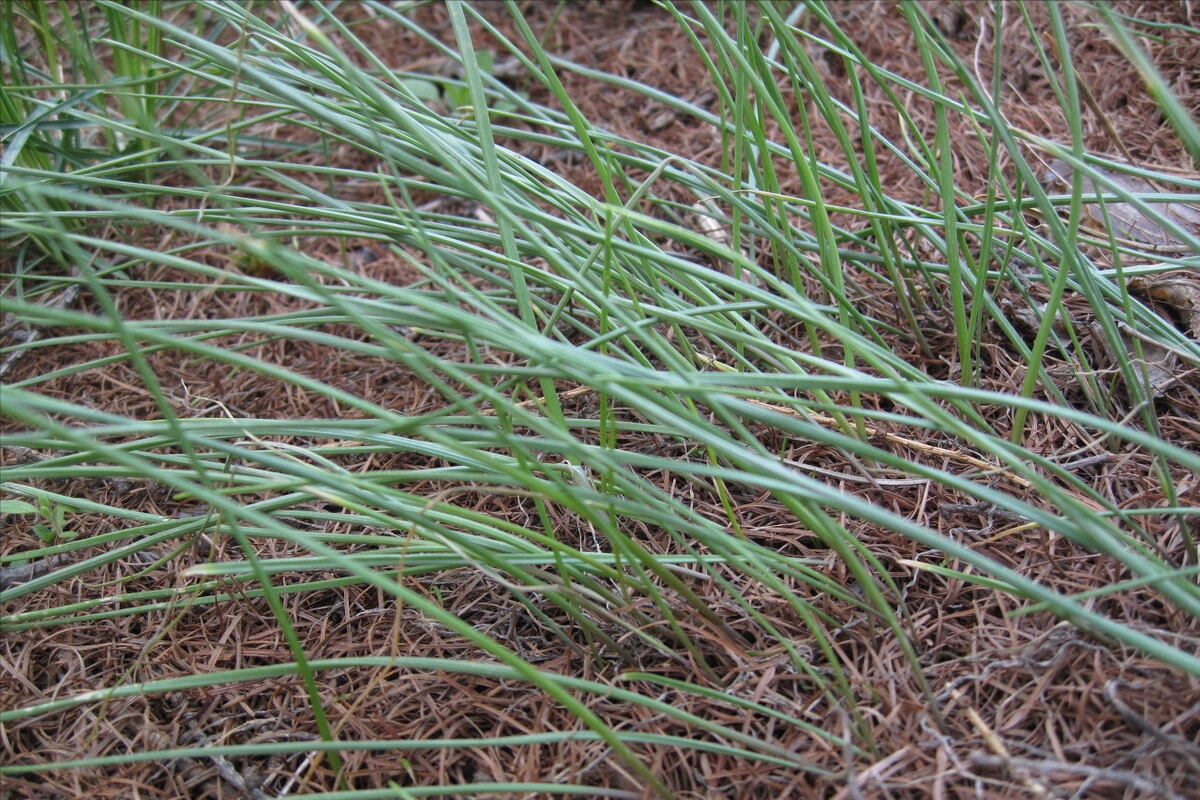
142,140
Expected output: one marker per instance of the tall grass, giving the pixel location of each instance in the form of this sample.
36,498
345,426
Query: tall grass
574,291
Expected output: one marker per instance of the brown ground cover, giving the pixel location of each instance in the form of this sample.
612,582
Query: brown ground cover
1017,706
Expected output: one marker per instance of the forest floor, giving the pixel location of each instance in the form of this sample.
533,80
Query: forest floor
1027,706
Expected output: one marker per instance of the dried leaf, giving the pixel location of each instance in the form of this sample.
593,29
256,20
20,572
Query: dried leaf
1125,220
1178,290
1158,367
1027,320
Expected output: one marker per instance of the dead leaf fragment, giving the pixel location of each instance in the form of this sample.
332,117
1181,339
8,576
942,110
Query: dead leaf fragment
1178,290
1124,220
1158,367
